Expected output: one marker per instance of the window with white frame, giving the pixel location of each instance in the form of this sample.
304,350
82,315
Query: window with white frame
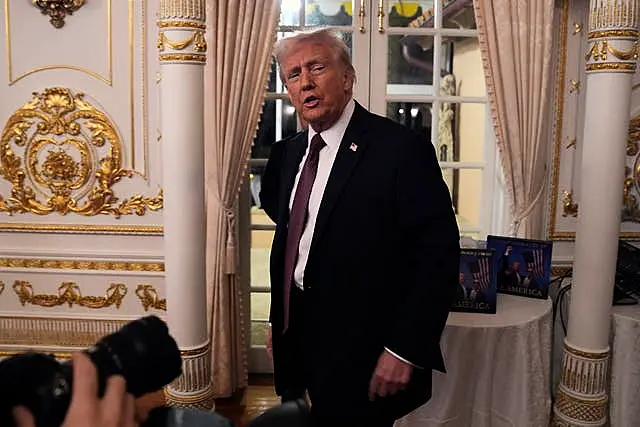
417,62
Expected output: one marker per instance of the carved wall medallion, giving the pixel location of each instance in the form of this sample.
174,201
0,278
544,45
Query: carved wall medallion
61,154
149,298
69,293
57,10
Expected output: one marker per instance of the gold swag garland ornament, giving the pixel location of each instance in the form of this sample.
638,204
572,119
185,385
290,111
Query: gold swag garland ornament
72,153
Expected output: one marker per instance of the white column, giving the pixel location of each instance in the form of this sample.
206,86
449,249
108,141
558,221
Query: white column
582,396
182,47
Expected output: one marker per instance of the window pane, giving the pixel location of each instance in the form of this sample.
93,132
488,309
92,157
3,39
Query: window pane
466,63
465,186
416,116
278,120
260,251
410,13
329,12
458,14
461,132
260,303
410,65
259,332
290,11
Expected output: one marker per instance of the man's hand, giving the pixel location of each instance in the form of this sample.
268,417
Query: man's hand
391,375
269,343
115,409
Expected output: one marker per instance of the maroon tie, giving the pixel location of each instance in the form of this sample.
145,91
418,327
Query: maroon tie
298,217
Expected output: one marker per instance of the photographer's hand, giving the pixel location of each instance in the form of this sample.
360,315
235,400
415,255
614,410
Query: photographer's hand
115,409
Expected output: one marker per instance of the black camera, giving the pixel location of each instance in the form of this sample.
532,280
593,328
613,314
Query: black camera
142,352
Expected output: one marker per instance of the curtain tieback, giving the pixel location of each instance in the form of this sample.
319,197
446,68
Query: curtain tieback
230,247
524,213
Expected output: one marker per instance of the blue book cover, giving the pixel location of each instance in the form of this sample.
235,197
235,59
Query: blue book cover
476,292
523,265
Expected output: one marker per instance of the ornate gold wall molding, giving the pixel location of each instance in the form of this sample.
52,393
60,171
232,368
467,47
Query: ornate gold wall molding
1,287
71,156
57,10
81,265
174,18
54,331
69,293
149,298
582,394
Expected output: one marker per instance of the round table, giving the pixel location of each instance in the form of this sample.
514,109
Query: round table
498,369
624,408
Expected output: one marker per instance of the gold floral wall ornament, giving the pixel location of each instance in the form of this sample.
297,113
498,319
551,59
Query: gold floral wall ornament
569,207
57,10
60,148
149,298
69,293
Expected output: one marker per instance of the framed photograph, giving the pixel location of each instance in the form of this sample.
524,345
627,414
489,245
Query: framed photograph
523,265
476,292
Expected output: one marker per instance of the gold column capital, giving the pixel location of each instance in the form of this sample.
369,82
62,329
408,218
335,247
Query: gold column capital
614,29
181,31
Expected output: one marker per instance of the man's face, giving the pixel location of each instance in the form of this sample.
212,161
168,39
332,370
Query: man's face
461,277
317,84
516,266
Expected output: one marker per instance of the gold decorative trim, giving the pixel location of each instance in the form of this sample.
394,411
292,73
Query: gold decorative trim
612,14
610,66
581,409
56,354
597,355
182,9
559,115
196,38
573,142
205,401
69,293
83,228
633,34
148,296
196,351
53,125
569,207
574,86
577,28
559,271
60,264
58,10
24,331
188,57
182,24
600,49
1,287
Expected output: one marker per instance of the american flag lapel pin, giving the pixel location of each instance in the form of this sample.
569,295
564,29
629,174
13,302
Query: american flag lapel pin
353,147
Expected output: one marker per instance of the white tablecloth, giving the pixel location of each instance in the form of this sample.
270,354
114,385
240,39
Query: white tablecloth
498,369
624,407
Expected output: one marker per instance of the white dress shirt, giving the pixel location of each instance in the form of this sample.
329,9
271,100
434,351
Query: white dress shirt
332,137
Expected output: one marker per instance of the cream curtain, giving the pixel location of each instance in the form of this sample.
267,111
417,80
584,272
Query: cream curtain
241,34
516,43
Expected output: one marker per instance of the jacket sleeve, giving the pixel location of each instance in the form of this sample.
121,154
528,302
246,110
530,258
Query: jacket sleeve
428,234
271,181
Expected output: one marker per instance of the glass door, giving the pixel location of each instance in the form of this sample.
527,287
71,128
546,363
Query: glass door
279,121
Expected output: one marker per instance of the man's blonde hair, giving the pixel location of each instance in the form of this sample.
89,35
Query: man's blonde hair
323,36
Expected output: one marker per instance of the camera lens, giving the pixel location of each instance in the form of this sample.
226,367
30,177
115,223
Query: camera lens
142,352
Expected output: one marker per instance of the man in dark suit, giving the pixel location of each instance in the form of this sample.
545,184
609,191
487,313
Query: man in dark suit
364,262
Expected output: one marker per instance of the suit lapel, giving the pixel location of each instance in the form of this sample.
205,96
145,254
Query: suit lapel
295,150
349,152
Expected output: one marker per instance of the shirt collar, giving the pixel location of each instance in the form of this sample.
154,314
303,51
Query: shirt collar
333,136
